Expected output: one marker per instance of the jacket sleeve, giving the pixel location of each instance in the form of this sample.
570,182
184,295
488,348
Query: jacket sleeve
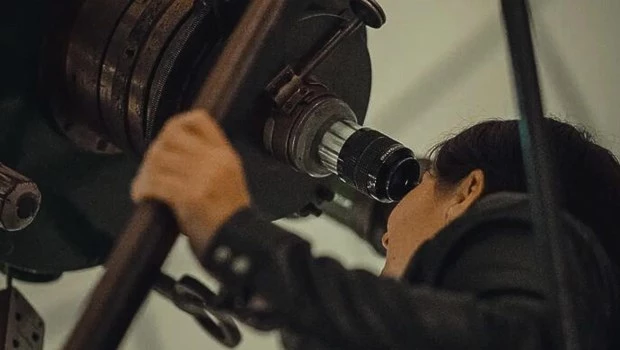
319,298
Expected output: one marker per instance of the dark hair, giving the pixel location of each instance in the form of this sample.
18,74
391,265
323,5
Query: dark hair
589,174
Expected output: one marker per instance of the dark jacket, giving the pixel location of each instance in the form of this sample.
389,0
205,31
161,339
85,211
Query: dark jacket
478,284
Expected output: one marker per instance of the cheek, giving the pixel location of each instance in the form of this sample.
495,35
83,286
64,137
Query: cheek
398,216
417,217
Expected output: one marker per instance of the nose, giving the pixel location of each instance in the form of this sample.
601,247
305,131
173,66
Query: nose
385,240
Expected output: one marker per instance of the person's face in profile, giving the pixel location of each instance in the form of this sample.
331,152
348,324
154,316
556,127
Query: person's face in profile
422,213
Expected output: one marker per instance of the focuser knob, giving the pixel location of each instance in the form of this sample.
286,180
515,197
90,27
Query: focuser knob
20,200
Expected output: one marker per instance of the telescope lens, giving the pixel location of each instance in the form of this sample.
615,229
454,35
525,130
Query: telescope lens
375,164
402,178
323,138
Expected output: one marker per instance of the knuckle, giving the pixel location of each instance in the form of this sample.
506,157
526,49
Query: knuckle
200,114
193,118
158,154
170,125
164,192
153,149
151,160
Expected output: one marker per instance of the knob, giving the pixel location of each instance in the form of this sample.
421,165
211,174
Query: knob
20,200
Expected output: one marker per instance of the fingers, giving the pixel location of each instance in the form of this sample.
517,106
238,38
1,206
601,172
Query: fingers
182,144
180,169
161,186
184,157
188,146
197,123
190,135
192,168
169,163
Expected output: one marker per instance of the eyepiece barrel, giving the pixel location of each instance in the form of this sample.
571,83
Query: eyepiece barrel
319,135
370,161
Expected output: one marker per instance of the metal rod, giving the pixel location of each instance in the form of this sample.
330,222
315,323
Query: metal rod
134,264
545,200
330,46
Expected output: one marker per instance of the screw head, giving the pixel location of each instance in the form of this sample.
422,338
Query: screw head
369,12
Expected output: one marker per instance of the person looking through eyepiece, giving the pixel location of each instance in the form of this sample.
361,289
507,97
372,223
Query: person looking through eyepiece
461,269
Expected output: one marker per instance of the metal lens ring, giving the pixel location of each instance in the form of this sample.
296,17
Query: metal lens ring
377,165
121,58
193,39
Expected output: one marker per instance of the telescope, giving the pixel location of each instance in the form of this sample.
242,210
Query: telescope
88,84
88,87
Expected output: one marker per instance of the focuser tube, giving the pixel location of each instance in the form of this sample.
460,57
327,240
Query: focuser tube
317,133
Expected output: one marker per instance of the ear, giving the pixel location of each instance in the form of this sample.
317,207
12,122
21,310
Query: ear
465,194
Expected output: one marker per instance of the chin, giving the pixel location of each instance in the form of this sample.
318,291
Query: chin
385,272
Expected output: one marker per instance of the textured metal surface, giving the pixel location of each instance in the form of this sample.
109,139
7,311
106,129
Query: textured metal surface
369,12
86,49
307,133
80,205
19,200
294,131
197,34
198,301
370,161
135,262
112,69
274,184
121,57
85,200
21,327
148,59
333,141
85,195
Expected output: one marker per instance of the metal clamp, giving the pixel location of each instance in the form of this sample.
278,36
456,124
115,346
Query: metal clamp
305,104
367,12
194,298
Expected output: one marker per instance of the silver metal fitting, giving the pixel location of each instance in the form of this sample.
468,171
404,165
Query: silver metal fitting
20,200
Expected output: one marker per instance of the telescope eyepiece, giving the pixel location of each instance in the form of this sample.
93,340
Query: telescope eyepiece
373,163
320,136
